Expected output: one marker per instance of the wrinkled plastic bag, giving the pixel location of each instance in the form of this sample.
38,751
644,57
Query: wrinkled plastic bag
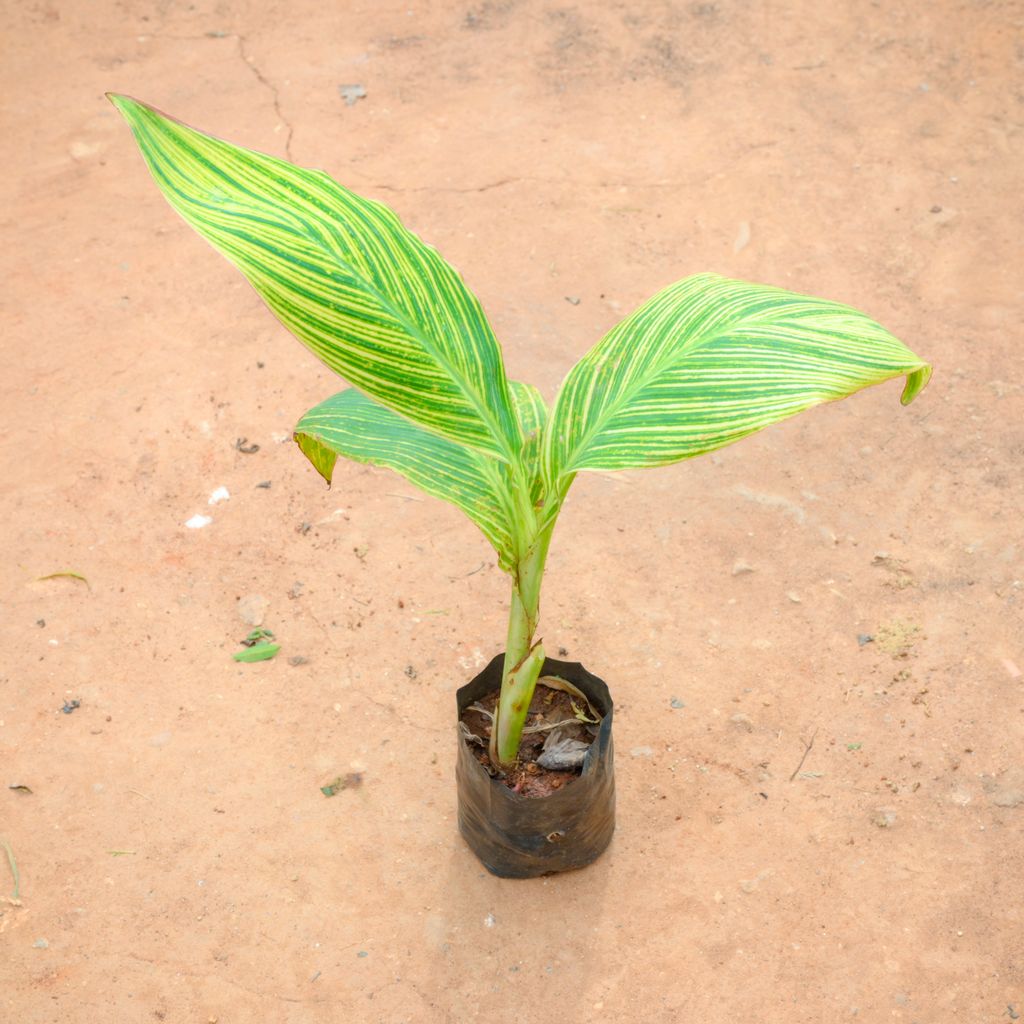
524,837
562,752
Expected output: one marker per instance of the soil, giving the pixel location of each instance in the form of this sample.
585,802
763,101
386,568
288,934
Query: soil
526,777
178,859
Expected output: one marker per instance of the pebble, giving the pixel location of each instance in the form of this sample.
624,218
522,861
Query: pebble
41,944
742,237
1006,790
220,494
642,752
741,568
252,609
793,596
1009,798
351,93
749,885
81,150
197,522
676,703
741,722
884,817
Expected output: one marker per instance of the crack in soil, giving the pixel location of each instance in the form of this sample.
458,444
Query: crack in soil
224,979
392,710
250,63
502,182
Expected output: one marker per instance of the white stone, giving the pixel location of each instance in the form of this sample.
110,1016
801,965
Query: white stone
252,609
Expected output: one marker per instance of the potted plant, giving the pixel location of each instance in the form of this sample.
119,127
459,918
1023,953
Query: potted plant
702,364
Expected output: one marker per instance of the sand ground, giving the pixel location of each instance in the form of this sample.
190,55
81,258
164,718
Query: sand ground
178,861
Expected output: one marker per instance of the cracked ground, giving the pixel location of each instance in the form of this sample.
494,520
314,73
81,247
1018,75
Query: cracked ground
814,638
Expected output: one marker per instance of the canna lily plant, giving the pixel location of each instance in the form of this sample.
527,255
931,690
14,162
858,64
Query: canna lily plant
702,364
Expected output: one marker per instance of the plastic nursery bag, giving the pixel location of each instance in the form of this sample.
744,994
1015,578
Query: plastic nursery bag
523,837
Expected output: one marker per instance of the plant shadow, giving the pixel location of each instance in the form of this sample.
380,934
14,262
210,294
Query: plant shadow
515,940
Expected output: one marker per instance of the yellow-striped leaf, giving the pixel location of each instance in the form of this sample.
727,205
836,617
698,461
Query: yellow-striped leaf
533,415
370,299
355,426
708,361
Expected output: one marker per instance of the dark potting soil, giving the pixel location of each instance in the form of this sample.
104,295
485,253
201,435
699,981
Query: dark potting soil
526,777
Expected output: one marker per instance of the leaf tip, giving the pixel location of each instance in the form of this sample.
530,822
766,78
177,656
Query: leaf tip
916,382
137,113
124,104
321,457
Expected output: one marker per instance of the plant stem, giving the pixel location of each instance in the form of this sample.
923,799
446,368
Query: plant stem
523,658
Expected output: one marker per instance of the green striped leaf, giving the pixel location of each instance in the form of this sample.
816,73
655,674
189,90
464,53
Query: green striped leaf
708,361
532,414
370,299
353,425
531,410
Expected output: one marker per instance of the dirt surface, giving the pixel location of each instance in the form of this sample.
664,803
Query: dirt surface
812,824
526,777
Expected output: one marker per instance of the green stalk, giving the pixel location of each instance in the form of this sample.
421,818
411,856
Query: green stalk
523,658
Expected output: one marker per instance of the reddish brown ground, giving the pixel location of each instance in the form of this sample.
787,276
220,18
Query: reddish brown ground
178,859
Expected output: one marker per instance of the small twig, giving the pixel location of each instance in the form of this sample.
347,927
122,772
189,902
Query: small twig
807,750
473,572
66,574
15,898
143,795
404,497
